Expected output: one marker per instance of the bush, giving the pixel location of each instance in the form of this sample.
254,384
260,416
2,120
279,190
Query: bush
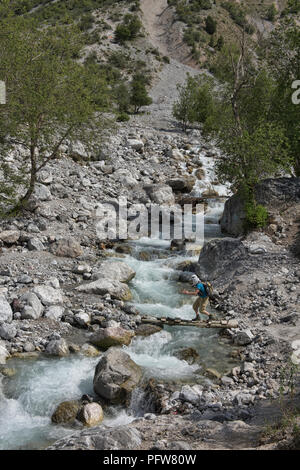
122,33
86,22
191,36
129,29
123,117
118,59
256,215
271,13
220,43
210,25
139,96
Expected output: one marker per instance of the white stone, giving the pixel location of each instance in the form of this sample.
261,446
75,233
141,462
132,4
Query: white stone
48,295
55,312
33,308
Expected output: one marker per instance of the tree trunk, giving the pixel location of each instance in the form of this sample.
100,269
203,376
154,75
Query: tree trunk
33,173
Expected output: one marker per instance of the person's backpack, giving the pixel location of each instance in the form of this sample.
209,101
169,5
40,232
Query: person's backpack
209,288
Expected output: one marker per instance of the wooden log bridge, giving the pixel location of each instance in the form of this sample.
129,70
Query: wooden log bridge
198,324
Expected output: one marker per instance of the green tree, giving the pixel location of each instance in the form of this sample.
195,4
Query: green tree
210,25
138,94
122,97
249,157
195,102
51,98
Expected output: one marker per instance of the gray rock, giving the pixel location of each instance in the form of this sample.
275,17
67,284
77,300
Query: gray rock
160,194
178,445
42,193
7,331
242,338
101,438
116,375
33,308
243,398
230,251
48,295
115,289
66,412
271,193
34,244
104,338
58,347
6,313
182,185
190,395
91,414
227,380
24,279
83,319
55,312
66,247
136,144
29,347
10,237
114,270
4,354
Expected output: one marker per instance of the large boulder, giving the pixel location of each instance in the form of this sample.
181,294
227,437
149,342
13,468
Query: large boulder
276,193
233,218
114,270
117,290
116,375
6,313
221,259
101,438
104,338
271,193
66,247
182,185
160,194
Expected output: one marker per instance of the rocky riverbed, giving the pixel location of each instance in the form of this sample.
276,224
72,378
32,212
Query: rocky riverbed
69,297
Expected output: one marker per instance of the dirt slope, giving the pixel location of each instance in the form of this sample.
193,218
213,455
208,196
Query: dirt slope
164,33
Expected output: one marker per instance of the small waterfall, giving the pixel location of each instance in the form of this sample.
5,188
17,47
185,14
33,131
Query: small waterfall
141,403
